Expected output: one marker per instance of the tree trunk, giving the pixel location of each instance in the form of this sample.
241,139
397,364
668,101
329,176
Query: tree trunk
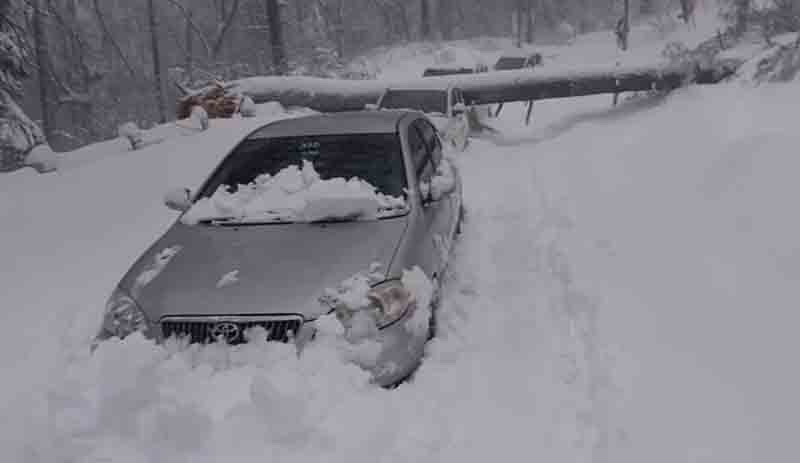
340,29
189,44
42,64
519,16
529,24
157,77
623,27
445,8
645,7
742,11
425,20
276,37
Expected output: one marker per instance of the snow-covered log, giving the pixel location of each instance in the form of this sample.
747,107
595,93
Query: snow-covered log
331,95
326,95
528,85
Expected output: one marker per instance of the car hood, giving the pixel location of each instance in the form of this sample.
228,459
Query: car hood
263,269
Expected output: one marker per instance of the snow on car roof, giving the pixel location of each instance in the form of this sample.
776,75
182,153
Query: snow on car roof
335,123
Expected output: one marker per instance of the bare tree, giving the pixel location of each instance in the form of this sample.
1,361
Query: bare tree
43,67
529,25
425,19
276,37
156,52
444,16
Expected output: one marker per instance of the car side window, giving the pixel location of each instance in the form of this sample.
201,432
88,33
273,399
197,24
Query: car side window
432,140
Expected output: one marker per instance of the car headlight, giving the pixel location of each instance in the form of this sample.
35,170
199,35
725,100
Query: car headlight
389,302
123,316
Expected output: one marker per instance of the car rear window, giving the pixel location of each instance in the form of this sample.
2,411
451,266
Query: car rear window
374,157
427,101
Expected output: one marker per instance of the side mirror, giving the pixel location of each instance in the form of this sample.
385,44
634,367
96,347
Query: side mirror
441,185
179,199
371,106
459,109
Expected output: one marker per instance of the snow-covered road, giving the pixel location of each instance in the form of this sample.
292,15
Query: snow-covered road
624,288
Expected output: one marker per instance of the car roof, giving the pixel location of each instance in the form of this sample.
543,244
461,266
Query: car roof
350,122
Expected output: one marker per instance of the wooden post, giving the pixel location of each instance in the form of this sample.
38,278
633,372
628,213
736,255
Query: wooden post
528,114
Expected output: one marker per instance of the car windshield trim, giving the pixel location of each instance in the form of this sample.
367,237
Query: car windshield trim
253,221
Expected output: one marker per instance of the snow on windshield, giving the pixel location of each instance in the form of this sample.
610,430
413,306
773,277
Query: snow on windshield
296,194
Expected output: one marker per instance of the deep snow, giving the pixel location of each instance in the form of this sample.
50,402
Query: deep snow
624,291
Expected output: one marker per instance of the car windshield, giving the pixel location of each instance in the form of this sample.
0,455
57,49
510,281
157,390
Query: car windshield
510,62
427,101
373,157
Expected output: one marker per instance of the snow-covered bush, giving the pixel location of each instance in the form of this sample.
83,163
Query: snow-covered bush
42,158
132,133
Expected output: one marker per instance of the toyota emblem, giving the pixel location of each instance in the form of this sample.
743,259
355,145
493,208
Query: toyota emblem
226,330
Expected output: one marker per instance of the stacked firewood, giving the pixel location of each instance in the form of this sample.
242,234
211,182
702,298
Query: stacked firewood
212,99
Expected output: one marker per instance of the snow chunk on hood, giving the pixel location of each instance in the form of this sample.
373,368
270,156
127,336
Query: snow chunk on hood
422,290
296,194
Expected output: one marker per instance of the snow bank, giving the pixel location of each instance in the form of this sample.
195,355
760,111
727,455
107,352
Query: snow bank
676,223
296,194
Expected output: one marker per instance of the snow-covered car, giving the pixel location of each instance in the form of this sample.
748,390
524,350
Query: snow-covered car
445,106
298,218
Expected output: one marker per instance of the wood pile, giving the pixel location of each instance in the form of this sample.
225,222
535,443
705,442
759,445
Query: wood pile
213,99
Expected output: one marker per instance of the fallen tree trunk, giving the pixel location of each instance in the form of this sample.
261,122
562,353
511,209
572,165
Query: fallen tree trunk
325,95
332,95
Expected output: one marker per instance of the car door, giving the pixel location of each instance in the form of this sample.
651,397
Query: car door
441,215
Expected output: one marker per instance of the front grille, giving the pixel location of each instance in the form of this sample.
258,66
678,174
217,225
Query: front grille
230,329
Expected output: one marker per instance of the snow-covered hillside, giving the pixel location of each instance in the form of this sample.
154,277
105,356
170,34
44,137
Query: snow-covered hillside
623,291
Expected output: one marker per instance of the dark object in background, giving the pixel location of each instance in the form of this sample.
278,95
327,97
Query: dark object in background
506,63
434,72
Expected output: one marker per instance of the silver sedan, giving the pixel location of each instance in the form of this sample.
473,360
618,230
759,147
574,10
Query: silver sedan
212,279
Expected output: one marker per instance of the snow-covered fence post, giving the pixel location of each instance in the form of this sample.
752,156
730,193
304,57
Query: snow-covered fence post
199,118
247,108
132,133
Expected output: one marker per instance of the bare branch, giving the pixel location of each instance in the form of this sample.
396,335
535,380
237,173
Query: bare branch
225,27
192,24
110,37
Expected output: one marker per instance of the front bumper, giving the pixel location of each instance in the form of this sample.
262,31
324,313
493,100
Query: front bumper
401,349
